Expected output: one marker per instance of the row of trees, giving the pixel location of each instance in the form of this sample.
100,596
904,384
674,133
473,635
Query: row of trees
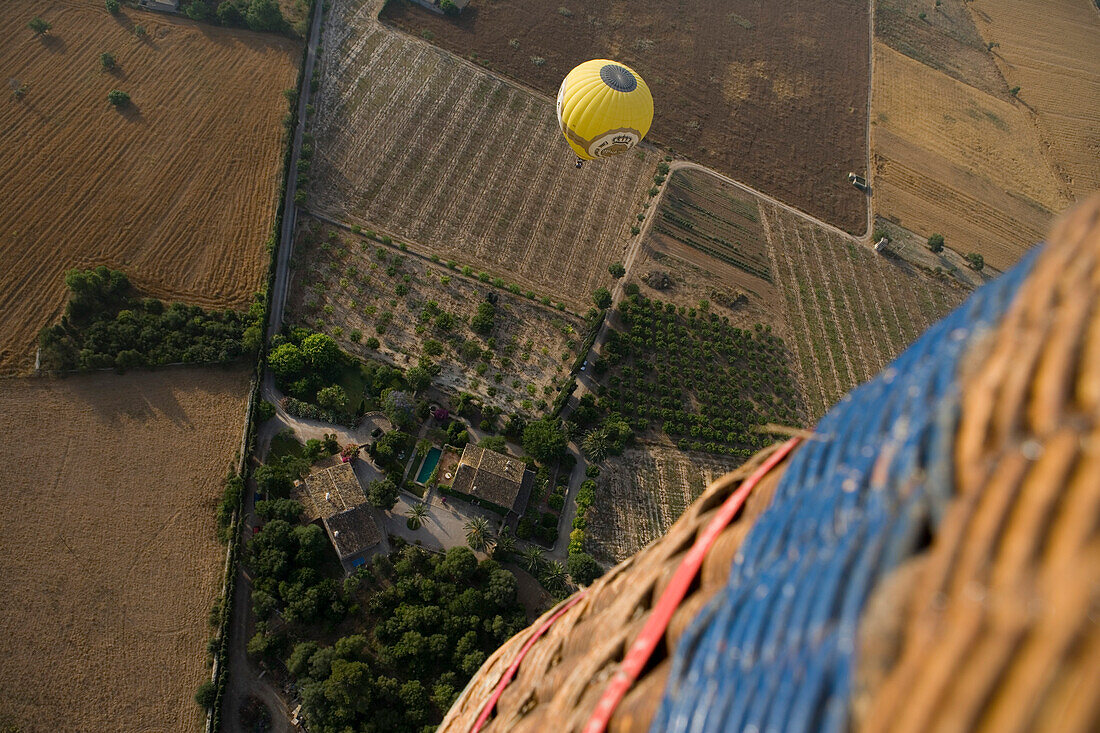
106,324
690,374
257,15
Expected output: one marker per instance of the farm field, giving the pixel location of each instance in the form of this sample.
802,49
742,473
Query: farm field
849,310
772,94
642,492
945,39
954,160
417,144
357,290
1053,57
109,556
178,189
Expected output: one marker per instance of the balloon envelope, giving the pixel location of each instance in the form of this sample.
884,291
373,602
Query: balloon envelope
604,109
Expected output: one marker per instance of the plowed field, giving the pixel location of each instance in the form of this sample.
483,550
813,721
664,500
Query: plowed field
1052,52
178,189
952,159
108,553
773,94
641,493
849,310
415,142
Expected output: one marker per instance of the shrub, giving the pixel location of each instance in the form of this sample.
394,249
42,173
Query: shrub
264,410
448,7
139,31
935,243
118,98
583,568
975,261
538,60
205,695
107,61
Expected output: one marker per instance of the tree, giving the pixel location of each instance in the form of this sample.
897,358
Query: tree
975,261
478,536
106,60
531,559
399,408
448,7
602,298
38,25
553,576
197,10
118,98
416,515
286,362
332,398
935,243
264,15
545,439
287,510
482,321
382,493
616,269
583,568
418,378
322,352
205,695
595,444
493,442
112,6
230,15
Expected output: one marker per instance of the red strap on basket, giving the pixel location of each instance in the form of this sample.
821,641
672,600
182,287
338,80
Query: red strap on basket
509,673
659,618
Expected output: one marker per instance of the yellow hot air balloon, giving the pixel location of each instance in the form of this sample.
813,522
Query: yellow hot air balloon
604,109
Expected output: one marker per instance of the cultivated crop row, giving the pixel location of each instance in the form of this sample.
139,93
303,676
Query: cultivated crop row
849,310
415,142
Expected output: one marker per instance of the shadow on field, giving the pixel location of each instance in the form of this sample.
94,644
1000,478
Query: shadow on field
53,44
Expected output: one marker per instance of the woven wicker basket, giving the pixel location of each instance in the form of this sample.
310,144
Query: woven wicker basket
992,625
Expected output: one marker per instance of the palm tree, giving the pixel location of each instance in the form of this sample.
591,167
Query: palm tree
478,536
506,544
531,559
595,445
416,515
553,576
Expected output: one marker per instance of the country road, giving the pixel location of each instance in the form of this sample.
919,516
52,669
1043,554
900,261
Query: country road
244,682
290,209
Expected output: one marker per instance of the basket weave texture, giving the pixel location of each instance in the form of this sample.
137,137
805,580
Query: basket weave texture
998,627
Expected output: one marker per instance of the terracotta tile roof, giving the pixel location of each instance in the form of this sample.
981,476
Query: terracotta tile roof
353,531
491,476
329,491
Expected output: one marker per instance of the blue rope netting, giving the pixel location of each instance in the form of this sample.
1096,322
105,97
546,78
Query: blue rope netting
775,649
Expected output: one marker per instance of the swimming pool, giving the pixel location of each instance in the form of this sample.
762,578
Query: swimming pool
430,462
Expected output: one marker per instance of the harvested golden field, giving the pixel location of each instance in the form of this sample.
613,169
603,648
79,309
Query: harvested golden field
109,555
178,189
954,160
417,143
1052,52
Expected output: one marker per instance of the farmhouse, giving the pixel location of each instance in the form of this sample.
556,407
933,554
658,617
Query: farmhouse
495,478
335,497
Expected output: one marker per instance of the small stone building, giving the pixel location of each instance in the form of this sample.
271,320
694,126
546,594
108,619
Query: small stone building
335,497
